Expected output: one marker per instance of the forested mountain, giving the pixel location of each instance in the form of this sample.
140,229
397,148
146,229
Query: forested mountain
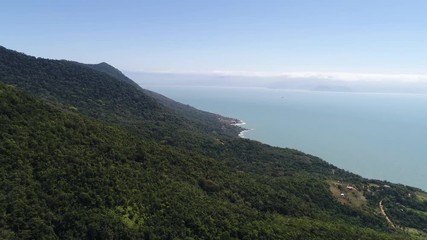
87,154
190,113
96,94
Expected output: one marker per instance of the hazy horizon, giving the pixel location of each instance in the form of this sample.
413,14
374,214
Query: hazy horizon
333,82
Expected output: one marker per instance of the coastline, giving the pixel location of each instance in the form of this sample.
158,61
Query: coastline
294,134
240,123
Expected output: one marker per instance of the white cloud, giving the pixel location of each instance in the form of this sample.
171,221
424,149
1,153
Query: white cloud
378,77
338,76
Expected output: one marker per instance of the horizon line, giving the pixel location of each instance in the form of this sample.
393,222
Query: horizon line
339,76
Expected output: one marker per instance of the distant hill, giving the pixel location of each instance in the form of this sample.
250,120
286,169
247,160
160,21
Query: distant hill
87,154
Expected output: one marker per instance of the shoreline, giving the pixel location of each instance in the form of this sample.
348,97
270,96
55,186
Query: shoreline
242,133
240,124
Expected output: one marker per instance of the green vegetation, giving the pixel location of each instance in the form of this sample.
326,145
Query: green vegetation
86,154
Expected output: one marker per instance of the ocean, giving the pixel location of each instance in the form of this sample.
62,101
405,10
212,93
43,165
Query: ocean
379,136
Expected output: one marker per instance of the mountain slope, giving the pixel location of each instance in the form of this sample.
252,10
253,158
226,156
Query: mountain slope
112,71
66,176
190,113
97,94
127,164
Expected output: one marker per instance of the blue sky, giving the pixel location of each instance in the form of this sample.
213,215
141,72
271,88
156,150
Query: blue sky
373,36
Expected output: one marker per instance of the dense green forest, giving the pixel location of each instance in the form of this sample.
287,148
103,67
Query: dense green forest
85,153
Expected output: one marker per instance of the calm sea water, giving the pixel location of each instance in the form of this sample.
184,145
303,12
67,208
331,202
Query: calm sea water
381,136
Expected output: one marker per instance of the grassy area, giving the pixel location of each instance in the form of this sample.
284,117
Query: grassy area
421,196
416,234
422,213
345,193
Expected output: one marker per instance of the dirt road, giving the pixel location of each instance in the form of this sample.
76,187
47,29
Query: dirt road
385,215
